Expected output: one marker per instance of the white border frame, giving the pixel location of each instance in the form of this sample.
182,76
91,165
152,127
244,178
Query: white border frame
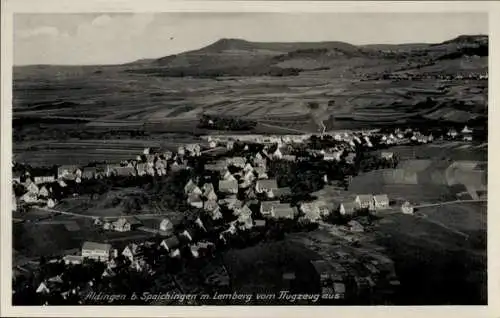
9,7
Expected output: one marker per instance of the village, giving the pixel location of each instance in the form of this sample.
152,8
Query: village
238,189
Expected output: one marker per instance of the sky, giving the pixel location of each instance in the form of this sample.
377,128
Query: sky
115,38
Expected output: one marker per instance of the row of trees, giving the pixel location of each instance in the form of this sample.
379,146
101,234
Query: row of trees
225,123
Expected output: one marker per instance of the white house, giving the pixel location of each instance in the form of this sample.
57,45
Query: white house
365,201
347,208
267,207
236,161
33,188
166,225
44,179
228,186
407,208
210,205
29,197
466,130
42,289
266,185
97,251
212,144
131,252
44,192
228,176
192,188
170,244
51,203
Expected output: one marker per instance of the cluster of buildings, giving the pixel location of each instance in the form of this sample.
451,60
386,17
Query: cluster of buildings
244,187
39,187
444,77
465,134
368,202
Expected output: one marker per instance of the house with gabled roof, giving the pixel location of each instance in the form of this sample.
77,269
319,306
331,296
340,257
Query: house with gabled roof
44,192
207,187
324,208
29,197
380,202
228,186
210,205
347,208
195,200
267,207
284,211
249,176
266,185
226,175
190,185
96,251
51,203
215,213
43,289
407,208
364,201
244,210
132,252
170,244
281,192
211,196
125,224
33,188
166,225
236,161
44,178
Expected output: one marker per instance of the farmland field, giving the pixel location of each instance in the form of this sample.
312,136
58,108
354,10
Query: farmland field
260,267
173,91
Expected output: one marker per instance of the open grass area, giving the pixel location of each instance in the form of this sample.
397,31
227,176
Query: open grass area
435,265
260,267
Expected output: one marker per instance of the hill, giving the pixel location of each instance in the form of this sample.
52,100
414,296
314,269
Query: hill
272,83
